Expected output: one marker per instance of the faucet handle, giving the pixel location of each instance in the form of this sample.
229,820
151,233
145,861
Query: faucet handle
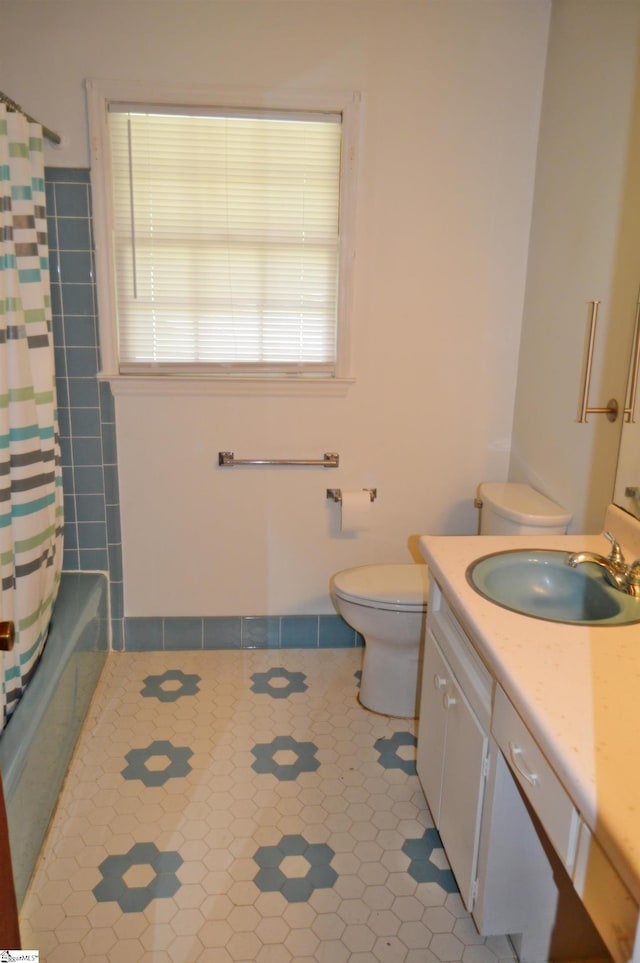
633,573
615,555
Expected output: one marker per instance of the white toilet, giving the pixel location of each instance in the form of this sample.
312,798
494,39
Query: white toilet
387,604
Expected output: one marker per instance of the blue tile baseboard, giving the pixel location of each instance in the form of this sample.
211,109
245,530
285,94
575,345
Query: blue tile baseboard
239,632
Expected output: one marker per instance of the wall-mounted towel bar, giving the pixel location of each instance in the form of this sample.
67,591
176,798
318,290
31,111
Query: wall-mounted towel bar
227,459
630,406
611,410
336,493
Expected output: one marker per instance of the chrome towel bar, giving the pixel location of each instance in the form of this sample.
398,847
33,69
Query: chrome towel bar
227,459
336,493
630,406
611,410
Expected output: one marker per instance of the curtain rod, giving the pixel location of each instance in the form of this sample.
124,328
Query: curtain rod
11,104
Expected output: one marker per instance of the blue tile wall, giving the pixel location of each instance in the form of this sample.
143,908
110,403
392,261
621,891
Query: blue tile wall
241,632
85,406
89,457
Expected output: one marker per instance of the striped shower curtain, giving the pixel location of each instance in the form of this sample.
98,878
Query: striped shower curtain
30,472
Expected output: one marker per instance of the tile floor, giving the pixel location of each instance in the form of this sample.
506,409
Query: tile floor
242,806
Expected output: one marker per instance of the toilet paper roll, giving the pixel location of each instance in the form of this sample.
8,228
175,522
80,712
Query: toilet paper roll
355,511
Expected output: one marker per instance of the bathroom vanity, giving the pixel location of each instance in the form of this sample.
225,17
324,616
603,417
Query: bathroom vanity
529,756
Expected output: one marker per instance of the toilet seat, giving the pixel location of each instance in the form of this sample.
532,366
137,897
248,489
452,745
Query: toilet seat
396,587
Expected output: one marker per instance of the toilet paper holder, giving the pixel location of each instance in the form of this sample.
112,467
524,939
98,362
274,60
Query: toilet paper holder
336,493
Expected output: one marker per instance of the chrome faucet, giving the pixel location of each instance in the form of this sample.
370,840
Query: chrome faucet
617,572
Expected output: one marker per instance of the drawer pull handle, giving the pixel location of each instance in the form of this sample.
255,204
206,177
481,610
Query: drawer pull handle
439,682
448,700
518,760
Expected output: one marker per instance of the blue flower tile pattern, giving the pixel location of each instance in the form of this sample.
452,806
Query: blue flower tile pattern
263,682
266,757
251,873
154,685
388,749
428,862
310,868
134,899
177,766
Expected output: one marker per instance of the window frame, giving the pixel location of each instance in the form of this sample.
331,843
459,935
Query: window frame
100,94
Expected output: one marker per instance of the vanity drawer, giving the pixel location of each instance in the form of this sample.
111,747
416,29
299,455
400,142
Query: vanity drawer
605,897
537,779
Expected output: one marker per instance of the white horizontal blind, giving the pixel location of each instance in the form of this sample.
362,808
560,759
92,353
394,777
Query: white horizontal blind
226,238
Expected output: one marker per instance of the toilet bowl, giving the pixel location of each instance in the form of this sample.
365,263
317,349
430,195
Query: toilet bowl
387,605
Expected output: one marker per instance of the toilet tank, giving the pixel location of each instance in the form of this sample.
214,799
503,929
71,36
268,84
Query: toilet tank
511,508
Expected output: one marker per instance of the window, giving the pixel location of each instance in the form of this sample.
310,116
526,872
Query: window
229,236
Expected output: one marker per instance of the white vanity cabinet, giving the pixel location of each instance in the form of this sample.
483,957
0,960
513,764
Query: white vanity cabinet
453,741
510,831
536,779
599,887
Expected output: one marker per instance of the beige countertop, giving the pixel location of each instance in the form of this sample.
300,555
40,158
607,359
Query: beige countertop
577,688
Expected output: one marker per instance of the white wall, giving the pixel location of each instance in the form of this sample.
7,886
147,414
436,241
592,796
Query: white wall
451,108
585,245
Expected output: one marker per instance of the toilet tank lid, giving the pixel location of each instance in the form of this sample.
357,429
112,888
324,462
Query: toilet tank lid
522,503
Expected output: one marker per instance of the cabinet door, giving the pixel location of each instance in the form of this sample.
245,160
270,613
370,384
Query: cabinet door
463,783
451,754
432,728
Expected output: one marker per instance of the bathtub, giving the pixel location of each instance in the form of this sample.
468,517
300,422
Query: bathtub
37,743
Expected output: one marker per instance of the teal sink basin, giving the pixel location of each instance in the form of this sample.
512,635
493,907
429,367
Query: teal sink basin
540,584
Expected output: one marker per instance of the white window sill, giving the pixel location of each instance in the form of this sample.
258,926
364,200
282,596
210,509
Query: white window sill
227,385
